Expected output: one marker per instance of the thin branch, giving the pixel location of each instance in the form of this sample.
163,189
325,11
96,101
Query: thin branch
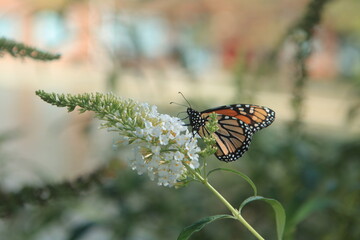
10,202
301,33
21,50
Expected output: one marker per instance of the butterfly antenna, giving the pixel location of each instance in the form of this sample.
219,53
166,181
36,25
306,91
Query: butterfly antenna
185,99
179,104
177,115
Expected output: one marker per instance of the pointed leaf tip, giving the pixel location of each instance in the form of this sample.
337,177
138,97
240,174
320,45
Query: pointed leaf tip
242,175
189,230
280,216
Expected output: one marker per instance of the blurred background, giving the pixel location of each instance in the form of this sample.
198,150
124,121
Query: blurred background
215,53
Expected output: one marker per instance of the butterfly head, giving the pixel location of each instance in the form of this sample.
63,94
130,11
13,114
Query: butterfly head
196,121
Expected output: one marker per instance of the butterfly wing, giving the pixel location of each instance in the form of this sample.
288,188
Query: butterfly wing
256,117
237,124
232,139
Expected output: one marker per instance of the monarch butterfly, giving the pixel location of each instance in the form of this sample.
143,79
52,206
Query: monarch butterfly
237,123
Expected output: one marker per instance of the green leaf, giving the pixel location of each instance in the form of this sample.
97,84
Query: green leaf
189,230
305,210
280,216
243,175
71,108
79,231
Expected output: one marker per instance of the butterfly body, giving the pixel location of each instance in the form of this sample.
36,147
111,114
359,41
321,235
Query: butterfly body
237,123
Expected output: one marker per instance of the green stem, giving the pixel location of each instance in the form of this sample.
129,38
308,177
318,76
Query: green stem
234,212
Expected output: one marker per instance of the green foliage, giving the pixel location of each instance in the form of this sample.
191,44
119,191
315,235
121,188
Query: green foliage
301,34
13,202
310,18
16,49
279,211
242,175
190,230
210,142
81,230
306,210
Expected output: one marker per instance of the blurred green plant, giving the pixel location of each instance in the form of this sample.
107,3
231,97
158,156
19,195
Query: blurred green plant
301,35
354,109
21,50
11,202
298,145
308,169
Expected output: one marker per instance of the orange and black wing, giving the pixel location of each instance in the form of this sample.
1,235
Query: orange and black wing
237,124
232,139
256,117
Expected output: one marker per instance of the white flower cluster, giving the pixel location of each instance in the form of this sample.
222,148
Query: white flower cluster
163,144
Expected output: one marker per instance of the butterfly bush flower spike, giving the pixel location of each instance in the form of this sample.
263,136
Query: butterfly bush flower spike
163,144
163,147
